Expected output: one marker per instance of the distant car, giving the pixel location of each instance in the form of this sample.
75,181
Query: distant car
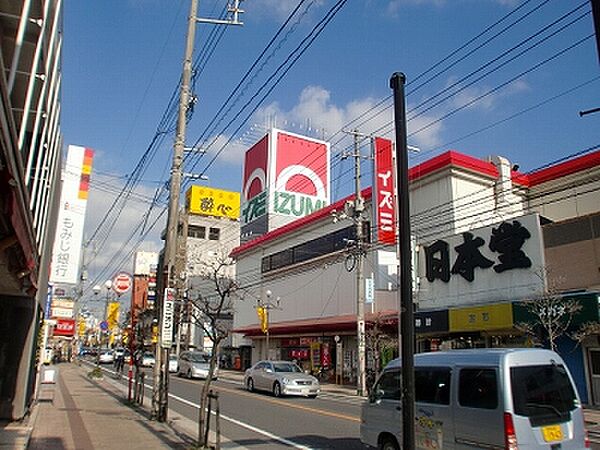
126,356
106,357
173,364
148,359
195,365
281,378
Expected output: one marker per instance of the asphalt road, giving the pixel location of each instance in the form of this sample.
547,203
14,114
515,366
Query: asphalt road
256,420
261,421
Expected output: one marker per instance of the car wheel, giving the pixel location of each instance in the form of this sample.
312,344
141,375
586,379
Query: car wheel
388,443
312,396
277,390
250,385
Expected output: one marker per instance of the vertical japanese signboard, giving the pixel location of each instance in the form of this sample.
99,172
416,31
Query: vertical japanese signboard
71,216
384,193
167,319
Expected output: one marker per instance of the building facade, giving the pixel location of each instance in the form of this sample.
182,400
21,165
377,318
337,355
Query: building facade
30,160
469,291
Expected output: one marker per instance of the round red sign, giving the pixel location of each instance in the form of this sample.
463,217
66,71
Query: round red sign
122,283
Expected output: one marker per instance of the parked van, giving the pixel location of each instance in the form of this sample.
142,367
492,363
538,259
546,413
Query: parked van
485,398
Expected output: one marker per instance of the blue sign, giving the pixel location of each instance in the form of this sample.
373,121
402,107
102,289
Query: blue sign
104,325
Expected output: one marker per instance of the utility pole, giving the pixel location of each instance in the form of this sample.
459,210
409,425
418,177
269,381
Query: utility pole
407,321
161,372
358,208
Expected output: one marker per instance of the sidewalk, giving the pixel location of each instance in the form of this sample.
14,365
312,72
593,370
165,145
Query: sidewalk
77,412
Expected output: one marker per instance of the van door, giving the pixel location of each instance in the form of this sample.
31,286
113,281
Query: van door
478,412
434,429
383,413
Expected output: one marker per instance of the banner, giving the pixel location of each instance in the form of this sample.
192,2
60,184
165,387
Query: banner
64,327
263,318
112,315
385,200
66,252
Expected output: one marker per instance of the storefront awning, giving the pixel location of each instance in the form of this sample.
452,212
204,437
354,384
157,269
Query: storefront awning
317,325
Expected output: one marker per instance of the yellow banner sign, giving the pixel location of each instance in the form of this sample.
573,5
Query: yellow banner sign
112,315
213,202
481,318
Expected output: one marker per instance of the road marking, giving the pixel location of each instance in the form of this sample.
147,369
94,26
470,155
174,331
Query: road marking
294,406
247,426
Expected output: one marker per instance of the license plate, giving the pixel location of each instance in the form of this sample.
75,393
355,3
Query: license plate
552,433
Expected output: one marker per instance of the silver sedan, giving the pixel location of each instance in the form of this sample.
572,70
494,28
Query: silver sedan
281,378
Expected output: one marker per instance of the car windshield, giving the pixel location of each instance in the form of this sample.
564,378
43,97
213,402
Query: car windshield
148,355
286,367
199,357
543,393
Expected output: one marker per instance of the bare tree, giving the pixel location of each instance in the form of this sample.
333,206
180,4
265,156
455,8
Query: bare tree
378,339
212,308
586,330
552,316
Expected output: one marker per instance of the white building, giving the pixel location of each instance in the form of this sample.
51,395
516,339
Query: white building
307,266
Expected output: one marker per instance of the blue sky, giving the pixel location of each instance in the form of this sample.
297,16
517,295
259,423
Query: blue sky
122,61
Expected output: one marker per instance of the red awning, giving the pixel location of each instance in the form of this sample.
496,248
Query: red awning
317,325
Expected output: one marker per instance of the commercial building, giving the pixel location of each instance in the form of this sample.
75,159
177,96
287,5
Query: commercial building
209,229
486,238
30,160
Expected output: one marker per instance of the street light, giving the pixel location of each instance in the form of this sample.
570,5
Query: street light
97,288
263,312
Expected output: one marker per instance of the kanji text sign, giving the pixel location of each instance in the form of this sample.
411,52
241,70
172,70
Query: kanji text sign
495,263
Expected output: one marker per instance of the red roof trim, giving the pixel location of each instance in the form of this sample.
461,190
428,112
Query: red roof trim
565,168
446,159
452,158
295,225
332,324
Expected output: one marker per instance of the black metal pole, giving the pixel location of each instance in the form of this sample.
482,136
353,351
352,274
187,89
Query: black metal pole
407,321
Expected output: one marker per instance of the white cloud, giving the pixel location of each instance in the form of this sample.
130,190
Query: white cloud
469,96
318,115
278,9
103,191
233,152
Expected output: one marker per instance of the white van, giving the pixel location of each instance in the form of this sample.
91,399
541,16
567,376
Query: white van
485,398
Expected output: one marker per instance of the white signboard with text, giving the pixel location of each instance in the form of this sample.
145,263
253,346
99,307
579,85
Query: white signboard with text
66,252
501,262
167,319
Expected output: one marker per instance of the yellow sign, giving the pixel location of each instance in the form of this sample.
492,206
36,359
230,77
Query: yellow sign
213,202
112,316
481,318
81,327
263,318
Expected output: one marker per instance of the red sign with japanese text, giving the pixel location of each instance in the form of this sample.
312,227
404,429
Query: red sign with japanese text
384,195
64,327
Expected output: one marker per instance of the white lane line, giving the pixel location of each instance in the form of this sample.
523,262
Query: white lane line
247,426
239,423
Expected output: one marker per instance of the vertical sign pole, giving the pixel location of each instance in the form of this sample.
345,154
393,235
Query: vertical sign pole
407,321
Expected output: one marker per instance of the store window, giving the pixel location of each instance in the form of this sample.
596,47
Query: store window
214,234
196,231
